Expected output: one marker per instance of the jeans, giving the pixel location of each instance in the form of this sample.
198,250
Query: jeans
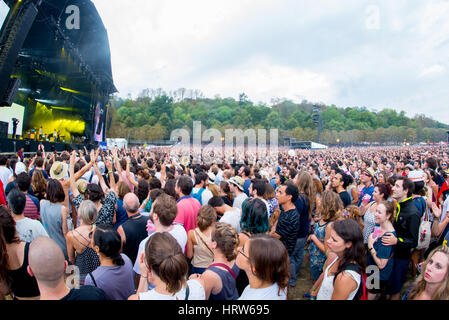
296,260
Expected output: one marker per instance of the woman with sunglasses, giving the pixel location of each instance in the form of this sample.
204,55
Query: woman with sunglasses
265,261
78,241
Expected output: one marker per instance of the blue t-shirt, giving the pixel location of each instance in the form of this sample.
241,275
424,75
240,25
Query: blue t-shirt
383,252
365,191
246,186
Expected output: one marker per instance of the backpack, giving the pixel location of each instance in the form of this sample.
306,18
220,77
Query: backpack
198,194
362,292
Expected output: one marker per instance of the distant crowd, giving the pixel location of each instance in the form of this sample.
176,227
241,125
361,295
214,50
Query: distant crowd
137,224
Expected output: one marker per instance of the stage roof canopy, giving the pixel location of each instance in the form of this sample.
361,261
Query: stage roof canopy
68,67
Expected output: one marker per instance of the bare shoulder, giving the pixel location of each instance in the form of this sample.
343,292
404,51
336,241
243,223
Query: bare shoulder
134,297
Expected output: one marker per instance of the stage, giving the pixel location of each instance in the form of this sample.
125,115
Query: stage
54,79
10,146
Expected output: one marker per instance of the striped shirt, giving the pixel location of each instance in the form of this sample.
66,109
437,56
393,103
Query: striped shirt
32,208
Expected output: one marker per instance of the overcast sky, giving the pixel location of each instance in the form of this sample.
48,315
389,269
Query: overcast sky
378,54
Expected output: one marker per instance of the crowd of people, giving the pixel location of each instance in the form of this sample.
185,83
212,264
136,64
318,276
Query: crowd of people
136,224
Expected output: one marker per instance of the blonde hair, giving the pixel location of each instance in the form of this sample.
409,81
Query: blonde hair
214,189
355,214
442,293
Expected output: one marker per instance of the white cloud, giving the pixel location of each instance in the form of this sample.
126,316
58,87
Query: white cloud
262,80
432,71
320,51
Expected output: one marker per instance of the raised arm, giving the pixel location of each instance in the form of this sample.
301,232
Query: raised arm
72,178
103,185
108,165
128,174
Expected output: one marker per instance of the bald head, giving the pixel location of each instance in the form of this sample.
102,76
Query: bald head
46,261
131,203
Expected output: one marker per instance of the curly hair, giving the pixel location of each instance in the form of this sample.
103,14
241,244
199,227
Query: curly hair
227,240
331,206
38,182
355,213
142,190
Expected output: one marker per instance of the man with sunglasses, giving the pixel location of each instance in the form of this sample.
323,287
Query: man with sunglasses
366,179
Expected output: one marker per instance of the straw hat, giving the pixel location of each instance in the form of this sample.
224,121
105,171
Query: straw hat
238,182
59,170
211,177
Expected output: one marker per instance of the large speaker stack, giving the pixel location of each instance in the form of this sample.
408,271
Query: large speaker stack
4,130
12,37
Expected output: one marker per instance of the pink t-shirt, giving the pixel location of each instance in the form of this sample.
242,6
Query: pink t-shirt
131,186
188,208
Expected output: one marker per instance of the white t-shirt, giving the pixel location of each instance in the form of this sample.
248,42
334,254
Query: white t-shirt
5,175
206,196
238,201
196,292
327,286
233,218
178,232
29,229
269,293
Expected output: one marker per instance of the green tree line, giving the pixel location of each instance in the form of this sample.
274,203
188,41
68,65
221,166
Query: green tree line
155,113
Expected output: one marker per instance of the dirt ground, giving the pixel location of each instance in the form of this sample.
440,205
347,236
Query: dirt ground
305,282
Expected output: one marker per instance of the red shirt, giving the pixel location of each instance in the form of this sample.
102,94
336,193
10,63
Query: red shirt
2,194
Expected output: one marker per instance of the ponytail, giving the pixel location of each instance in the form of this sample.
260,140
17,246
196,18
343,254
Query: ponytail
165,259
172,272
109,242
117,259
